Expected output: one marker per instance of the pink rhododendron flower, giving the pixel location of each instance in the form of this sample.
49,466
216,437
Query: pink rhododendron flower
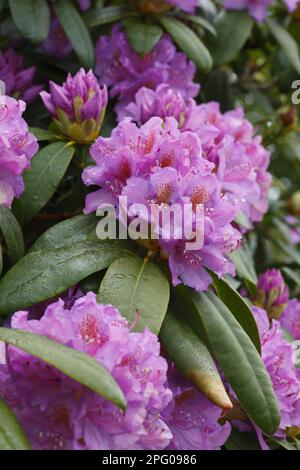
17,147
125,72
228,140
290,318
279,357
18,80
159,164
58,413
193,419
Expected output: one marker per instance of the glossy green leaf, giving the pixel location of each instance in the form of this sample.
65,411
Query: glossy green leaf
242,441
188,42
243,261
106,15
47,169
235,353
238,307
45,274
192,358
139,289
12,233
142,36
75,364
233,29
44,135
32,18
286,42
76,31
66,233
12,436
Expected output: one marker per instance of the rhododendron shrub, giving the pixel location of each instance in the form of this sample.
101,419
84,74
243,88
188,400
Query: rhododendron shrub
149,226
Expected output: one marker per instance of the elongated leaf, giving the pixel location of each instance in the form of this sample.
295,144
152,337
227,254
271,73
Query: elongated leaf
45,274
41,180
233,29
32,18
76,31
1,260
12,436
42,134
200,21
188,42
133,284
236,354
12,233
242,441
66,233
75,364
192,358
287,43
245,269
106,15
238,307
142,36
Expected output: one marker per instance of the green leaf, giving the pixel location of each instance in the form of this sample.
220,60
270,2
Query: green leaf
243,261
47,169
286,42
192,358
283,443
106,15
198,20
233,29
242,441
76,31
75,364
43,134
3,4
133,284
66,233
142,36
45,274
32,18
188,42
12,436
1,260
12,233
238,307
235,353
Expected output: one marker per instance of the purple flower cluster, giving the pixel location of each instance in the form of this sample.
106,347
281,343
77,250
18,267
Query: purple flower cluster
59,413
257,8
161,165
272,293
78,106
125,72
17,147
279,357
17,79
228,140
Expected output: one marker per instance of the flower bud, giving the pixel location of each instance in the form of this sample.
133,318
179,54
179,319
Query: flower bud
78,106
272,293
